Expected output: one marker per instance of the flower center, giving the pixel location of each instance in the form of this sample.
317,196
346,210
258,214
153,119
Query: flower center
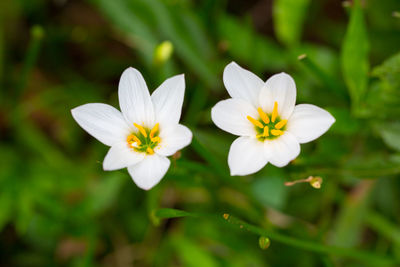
268,126
145,140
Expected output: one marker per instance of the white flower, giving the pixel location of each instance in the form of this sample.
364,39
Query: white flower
264,115
145,133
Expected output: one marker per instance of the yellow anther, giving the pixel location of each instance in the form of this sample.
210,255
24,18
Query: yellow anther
274,112
141,129
155,139
129,139
263,116
132,139
266,131
264,134
154,130
136,139
255,122
280,124
276,132
150,151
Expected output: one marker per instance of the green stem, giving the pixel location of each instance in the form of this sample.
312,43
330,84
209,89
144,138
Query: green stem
384,227
360,173
37,34
355,254
320,74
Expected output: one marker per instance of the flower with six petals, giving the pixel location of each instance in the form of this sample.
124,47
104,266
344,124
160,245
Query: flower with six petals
271,127
145,132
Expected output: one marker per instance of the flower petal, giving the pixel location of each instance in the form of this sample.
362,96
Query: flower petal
282,89
242,83
149,171
282,150
134,98
246,156
121,156
103,122
231,116
172,139
308,122
167,100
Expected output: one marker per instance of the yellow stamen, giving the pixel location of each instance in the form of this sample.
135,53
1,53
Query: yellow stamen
141,129
129,139
264,134
155,139
136,139
132,139
266,131
276,132
280,124
274,112
255,122
150,151
154,130
263,116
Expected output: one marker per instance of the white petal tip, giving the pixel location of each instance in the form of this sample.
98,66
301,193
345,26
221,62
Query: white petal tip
333,120
131,70
107,168
280,165
230,65
236,173
284,75
74,112
146,188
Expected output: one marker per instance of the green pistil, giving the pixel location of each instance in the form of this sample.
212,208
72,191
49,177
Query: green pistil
146,141
271,126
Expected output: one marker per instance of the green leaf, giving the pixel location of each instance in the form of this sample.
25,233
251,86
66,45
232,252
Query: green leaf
384,227
389,73
348,228
183,39
135,30
191,254
354,55
345,124
171,213
289,17
239,38
270,190
384,96
350,253
390,133
6,205
104,194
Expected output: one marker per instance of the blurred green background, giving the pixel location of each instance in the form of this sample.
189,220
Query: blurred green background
59,208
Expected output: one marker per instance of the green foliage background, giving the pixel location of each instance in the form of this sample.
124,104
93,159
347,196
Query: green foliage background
59,208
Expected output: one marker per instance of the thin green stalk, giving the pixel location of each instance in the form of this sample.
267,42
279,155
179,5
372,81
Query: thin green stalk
223,173
2,53
321,75
384,227
349,253
215,163
360,173
210,158
37,34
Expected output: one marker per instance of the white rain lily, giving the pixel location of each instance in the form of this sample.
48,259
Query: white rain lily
271,127
145,132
